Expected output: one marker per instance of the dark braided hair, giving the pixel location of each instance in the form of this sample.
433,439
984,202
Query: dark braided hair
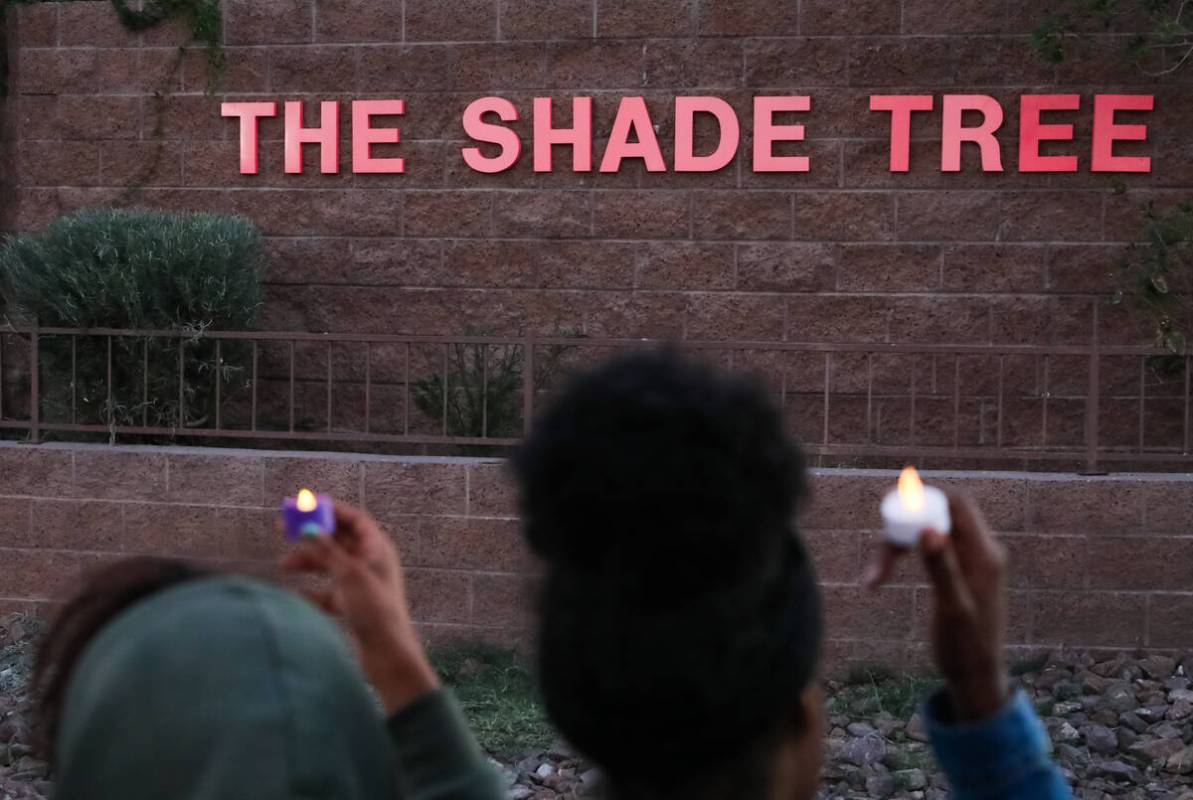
679,616
102,597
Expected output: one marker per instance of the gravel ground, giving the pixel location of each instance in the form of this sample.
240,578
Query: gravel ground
1121,728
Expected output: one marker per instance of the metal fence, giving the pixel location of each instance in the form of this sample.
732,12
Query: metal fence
1080,406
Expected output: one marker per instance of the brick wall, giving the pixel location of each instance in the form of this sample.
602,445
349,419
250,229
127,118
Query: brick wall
8,189
847,251
1095,562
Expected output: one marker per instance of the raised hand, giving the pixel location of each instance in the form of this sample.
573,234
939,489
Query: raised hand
366,590
967,569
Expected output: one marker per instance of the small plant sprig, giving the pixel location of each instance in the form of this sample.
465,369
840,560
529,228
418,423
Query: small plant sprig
484,387
203,18
1164,48
1156,276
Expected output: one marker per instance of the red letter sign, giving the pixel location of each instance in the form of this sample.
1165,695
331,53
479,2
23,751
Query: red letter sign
579,136
249,114
633,118
476,127
686,109
1032,132
766,133
327,136
364,136
953,132
1107,132
901,106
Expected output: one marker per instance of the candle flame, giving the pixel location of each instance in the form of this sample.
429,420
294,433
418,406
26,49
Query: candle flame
911,489
306,500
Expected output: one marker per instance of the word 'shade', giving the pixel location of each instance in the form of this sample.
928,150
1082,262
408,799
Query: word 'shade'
774,120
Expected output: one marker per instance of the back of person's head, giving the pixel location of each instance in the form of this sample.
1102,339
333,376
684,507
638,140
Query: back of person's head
679,617
160,680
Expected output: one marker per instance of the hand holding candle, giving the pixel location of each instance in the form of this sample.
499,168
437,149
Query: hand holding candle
308,514
365,588
967,570
911,508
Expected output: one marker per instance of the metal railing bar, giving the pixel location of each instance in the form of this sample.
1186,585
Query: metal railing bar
484,390
576,341
527,383
74,379
321,436
956,401
828,376
1093,401
911,427
144,381
1073,452
291,404
918,392
1188,364
368,385
253,401
406,392
219,371
445,388
181,385
111,393
869,397
1044,403
1001,372
1142,391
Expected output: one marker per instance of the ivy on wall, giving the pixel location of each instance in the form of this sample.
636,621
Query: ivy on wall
1162,44
1155,279
203,18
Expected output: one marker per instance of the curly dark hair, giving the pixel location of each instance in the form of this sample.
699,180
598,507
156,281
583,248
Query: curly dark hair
679,616
104,595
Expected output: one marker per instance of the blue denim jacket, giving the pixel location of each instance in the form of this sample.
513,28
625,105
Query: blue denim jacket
1002,758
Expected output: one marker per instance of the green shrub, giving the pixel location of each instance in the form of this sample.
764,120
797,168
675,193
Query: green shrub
136,269
485,388
484,391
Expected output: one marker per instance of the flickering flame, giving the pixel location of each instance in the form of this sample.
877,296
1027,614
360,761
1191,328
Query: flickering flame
306,500
911,489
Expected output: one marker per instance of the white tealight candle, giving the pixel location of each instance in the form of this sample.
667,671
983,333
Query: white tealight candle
911,508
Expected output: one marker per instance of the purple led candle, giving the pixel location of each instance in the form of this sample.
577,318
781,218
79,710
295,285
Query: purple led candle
308,514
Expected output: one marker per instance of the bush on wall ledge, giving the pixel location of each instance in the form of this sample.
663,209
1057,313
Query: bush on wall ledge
135,269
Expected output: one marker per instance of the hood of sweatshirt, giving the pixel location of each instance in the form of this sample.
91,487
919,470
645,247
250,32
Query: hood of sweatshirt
218,689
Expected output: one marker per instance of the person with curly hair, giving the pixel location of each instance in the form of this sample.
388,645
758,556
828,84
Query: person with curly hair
679,620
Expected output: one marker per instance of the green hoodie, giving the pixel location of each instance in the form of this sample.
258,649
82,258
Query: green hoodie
227,688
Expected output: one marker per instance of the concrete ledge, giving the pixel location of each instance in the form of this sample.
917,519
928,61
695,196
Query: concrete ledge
1096,562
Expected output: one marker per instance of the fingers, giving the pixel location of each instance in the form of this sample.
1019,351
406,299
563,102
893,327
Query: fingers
976,547
316,554
348,515
969,526
881,568
354,527
324,599
953,597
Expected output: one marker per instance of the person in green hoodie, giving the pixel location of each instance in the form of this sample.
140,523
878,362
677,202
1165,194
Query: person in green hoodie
161,680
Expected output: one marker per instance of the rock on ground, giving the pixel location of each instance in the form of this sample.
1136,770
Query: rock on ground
1121,728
